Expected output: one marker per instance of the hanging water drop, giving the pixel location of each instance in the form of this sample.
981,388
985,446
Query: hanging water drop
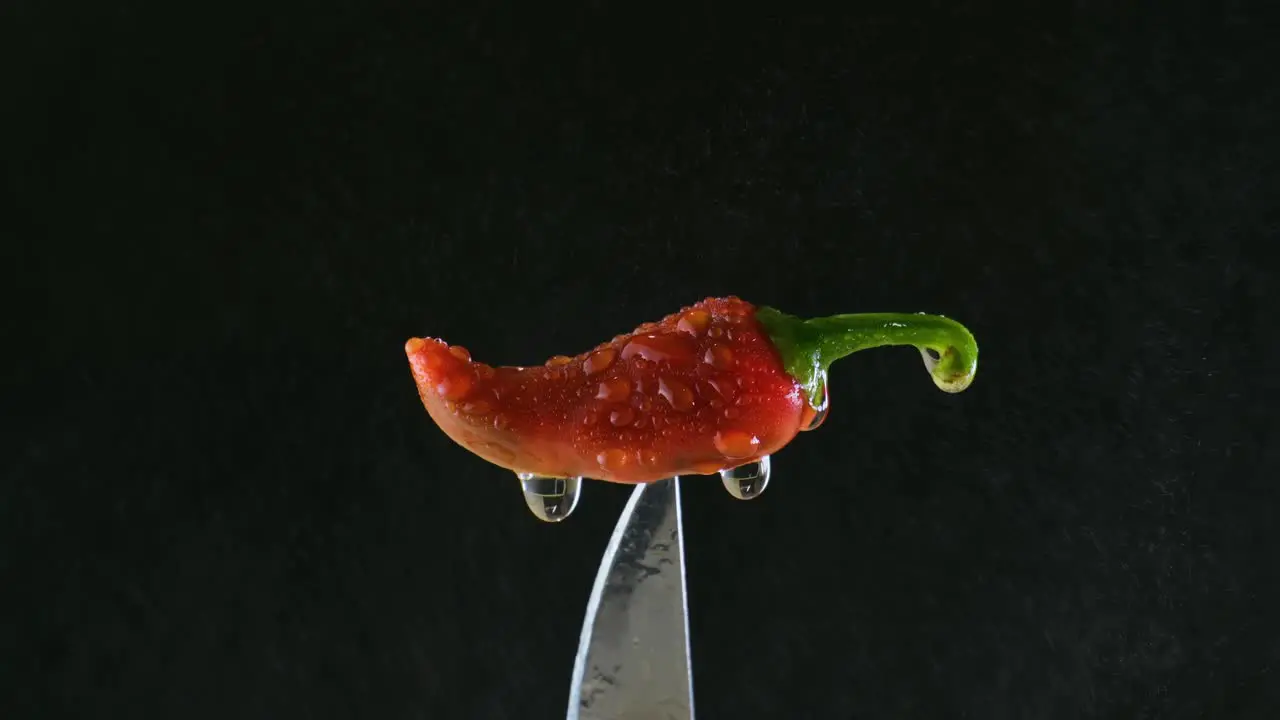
551,499
819,417
820,412
747,481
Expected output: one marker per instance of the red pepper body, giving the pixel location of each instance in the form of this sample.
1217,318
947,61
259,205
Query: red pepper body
701,390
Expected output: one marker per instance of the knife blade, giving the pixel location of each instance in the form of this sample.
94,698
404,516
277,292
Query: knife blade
633,660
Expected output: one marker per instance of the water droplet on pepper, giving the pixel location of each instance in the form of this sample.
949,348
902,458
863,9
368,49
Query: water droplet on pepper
622,416
694,323
454,387
612,459
746,482
599,361
433,360
736,443
476,407
614,390
727,388
676,393
719,357
811,417
659,348
550,499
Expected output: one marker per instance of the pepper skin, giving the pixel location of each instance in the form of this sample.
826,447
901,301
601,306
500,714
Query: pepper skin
716,385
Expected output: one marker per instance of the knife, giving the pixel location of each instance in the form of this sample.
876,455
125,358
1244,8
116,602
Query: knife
633,660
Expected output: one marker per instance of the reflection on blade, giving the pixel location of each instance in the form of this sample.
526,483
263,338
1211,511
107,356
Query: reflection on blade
633,656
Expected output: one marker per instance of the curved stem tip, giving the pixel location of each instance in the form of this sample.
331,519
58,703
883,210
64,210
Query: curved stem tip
808,347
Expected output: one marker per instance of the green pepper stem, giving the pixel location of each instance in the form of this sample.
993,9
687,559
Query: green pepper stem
808,347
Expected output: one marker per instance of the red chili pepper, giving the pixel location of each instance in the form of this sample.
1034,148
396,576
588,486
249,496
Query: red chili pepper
717,385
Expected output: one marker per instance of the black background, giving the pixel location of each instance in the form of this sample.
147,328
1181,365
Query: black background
222,498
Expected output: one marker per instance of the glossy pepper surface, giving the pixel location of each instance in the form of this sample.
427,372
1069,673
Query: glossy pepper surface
719,384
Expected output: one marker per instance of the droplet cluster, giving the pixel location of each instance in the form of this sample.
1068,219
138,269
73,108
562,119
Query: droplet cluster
665,383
